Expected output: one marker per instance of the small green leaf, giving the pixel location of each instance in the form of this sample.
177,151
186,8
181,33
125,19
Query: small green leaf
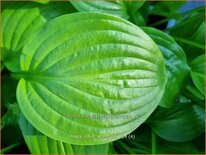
198,73
19,21
41,144
117,8
96,65
181,123
177,68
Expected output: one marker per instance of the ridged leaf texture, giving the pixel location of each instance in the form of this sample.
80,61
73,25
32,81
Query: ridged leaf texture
177,68
89,74
41,144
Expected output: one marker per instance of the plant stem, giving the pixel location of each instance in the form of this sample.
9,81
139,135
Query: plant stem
154,143
8,148
189,42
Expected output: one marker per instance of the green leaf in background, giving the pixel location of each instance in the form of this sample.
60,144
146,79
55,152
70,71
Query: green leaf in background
177,68
134,16
198,73
19,21
9,125
176,148
41,144
181,123
117,8
8,93
167,9
89,64
190,33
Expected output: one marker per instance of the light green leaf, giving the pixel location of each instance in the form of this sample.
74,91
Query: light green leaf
177,68
181,123
92,81
19,21
198,73
117,8
41,144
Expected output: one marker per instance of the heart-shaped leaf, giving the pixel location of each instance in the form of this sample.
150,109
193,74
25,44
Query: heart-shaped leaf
117,8
177,68
41,144
181,123
89,78
19,21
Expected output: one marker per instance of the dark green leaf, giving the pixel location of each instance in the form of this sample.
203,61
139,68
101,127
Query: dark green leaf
177,68
191,28
181,123
198,73
167,9
9,125
8,90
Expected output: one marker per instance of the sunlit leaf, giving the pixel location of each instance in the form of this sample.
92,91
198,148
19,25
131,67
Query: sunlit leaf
97,66
41,144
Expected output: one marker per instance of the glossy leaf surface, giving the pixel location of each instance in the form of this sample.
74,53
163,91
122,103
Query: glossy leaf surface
89,78
177,68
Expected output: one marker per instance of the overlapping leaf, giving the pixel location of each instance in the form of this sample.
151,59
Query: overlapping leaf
198,73
19,21
89,78
117,8
41,144
177,68
179,124
191,33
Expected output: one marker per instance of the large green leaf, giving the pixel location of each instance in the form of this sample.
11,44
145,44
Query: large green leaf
198,73
177,68
41,144
117,8
19,21
89,78
181,123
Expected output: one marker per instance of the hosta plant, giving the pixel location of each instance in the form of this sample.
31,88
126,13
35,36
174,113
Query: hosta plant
80,82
